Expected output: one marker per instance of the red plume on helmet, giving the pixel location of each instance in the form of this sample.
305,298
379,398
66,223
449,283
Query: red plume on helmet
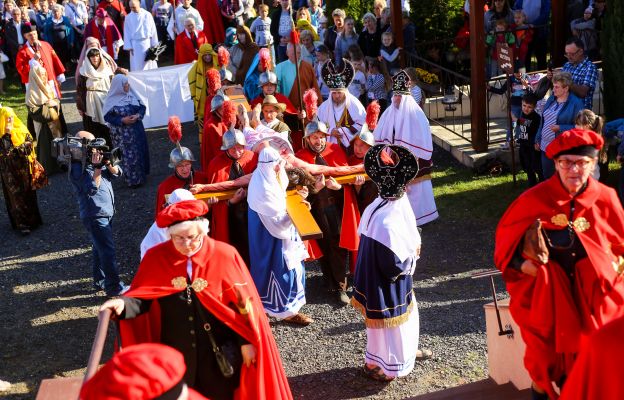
294,37
223,57
372,115
310,99
175,130
214,81
228,113
265,59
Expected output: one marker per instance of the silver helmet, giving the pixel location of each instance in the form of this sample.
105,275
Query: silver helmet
226,75
365,135
179,154
231,138
218,100
315,126
267,77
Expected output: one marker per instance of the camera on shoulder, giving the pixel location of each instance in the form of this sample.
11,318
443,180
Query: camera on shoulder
70,149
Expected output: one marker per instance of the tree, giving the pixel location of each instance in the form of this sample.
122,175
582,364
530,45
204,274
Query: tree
613,57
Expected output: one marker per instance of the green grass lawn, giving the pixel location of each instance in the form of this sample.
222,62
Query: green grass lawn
14,97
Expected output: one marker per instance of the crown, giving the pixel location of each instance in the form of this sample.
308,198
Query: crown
401,83
337,80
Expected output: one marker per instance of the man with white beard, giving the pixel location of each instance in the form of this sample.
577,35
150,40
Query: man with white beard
342,112
404,123
139,35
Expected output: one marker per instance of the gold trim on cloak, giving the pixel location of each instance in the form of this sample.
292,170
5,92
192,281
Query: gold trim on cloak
580,224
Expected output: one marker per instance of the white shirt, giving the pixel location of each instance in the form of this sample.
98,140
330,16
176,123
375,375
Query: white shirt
181,14
139,26
77,13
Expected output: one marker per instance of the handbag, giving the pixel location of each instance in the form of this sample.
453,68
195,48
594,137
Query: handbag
38,176
534,247
228,355
45,113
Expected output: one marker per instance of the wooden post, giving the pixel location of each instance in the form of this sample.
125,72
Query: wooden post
396,21
559,26
478,99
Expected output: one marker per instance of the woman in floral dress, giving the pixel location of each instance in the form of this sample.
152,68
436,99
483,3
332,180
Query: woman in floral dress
124,113
16,155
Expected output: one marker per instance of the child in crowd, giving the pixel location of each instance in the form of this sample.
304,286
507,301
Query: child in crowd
416,91
498,36
322,55
376,83
316,12
358,85
389,53
261,27
322,27
526,130
519,83
523,35
585,29
586,119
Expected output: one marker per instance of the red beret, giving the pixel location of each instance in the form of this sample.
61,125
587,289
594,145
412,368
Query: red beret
140,372
574,139
101,13
182,211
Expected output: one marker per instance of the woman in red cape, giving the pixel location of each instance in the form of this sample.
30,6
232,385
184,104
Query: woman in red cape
579,287
210,275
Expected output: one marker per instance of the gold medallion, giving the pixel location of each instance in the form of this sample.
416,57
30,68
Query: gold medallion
179,282
581,224
199,284
559,220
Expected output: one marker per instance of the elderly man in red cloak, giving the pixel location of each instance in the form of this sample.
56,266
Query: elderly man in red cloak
229,218
560,247
187,43
195,294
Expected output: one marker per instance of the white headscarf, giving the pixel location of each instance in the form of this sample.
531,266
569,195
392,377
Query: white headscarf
98,84
267,196
409,125
117,96
157,235
393,224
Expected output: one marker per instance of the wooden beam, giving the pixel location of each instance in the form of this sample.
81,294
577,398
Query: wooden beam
301,217
478,98
396,22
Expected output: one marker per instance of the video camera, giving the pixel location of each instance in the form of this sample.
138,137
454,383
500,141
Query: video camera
70,149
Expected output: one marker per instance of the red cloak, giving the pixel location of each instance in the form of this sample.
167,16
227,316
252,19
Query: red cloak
335,156
596,373
211,139
110,30
230,295
554,316
49,60
185,52
213,24
219,171
172,183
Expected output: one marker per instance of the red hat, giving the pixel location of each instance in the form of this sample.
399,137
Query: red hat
579,142
140,372
180,212
101,13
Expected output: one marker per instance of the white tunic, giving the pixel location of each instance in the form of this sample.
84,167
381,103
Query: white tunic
139,35
331,114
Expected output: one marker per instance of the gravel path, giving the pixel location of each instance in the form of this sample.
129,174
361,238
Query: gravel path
48,306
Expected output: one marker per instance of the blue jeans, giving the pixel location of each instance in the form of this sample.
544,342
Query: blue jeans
105,273
548,166
516,111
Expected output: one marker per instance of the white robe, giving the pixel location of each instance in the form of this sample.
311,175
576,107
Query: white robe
408,126
330,114
139,35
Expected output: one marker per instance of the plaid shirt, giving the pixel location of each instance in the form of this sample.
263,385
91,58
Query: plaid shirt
584,73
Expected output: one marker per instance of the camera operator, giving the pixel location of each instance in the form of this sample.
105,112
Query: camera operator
92,184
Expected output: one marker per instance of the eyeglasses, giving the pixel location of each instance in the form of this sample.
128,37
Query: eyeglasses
185,239
568,55
581,164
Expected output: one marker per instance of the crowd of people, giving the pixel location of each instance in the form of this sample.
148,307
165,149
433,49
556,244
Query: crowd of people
320,102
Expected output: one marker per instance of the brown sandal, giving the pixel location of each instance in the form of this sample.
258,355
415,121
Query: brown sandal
376,374
299,319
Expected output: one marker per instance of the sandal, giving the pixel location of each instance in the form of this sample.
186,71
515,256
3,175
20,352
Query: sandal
423,354
299,319
376,374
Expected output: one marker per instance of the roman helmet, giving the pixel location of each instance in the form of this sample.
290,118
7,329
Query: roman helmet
231,138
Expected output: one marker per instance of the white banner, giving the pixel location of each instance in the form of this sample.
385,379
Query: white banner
165,92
